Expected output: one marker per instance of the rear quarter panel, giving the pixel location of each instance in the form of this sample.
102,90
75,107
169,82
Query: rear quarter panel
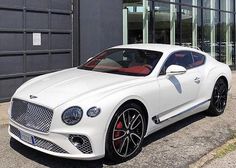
211,71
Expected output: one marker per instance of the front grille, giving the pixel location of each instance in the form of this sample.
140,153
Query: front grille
31,115
42,143
39,142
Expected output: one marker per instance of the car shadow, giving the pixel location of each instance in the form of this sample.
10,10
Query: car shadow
173,128
56,162
176,83
52,161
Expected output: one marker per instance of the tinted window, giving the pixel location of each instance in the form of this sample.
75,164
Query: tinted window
182,58
124,61
198,59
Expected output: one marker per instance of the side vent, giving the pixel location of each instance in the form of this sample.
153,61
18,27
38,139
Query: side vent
156,119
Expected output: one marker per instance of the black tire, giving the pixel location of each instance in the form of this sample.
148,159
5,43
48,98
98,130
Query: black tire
218,99
122,140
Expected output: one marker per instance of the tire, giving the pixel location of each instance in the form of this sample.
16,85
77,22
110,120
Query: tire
218,99
124,139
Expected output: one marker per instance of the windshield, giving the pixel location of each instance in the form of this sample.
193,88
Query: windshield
124,61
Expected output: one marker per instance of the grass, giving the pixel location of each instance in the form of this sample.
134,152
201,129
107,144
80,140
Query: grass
224,150
230,146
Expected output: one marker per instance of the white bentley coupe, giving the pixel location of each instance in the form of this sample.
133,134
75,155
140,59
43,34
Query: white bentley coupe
107,106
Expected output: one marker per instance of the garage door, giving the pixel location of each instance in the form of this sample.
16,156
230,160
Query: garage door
36,37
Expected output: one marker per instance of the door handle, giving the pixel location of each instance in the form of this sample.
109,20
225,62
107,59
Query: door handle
197,80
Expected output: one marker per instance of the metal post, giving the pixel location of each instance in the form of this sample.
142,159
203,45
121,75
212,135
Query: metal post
194,24
228,44
172,22
145,21
213,30
125,26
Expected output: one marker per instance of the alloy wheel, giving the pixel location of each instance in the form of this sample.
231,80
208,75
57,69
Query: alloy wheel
128,132
220,96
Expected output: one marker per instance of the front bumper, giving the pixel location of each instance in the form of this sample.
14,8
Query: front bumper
56,144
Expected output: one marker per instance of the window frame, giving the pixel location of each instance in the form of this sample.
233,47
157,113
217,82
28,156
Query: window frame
203,60
159,74
137,49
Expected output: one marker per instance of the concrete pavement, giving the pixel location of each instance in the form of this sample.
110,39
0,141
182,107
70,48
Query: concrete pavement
3,113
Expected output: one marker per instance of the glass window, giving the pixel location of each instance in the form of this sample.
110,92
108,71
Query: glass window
199,29
214,4
226,36
231,5
192,2
124,61
133,21
227,5
223,4
198,59
166,23
211,33
162,23
182,58
187,18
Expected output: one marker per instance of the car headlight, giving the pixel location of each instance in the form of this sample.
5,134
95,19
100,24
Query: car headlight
72,115
93,112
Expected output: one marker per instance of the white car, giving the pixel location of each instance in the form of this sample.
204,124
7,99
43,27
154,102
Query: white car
106,106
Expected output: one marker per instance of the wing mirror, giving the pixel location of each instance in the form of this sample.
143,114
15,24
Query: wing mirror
175,70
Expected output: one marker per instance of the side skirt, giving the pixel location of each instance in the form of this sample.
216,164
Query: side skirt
184,114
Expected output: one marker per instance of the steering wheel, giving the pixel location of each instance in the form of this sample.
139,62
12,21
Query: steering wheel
148,66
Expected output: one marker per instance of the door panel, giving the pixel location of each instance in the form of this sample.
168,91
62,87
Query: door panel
176,92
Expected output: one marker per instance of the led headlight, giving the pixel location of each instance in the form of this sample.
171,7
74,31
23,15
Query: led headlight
93,112
72,115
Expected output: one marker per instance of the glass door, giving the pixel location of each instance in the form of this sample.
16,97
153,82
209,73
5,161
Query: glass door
132,21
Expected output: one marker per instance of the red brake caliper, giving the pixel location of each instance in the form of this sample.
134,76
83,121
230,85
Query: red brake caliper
118,133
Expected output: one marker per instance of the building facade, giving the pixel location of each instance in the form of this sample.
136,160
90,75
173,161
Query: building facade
205,24
43,36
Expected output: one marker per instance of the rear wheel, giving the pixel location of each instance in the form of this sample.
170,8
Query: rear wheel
219,98
125,133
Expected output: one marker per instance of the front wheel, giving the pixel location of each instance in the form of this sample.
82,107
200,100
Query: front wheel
219,98
125,133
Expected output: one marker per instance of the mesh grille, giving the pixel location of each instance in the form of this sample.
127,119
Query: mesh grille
31,115
15,131
39,142
85,147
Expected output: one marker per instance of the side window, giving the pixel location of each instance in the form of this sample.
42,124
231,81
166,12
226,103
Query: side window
198,59
182,58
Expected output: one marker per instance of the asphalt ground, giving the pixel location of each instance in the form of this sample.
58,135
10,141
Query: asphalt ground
178,145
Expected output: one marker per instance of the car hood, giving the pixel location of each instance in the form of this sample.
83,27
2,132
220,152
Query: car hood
57,88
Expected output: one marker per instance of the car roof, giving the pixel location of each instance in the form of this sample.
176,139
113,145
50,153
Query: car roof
165,48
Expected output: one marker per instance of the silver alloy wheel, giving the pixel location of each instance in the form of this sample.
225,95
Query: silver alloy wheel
128,132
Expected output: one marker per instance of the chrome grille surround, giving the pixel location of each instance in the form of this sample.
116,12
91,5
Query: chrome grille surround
31,115
39,142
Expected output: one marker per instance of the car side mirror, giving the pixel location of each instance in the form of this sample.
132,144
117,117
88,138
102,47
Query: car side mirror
89,59
175,70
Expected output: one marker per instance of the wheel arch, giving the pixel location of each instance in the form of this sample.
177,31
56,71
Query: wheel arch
220,76
141,104
131,99
211,77
225,80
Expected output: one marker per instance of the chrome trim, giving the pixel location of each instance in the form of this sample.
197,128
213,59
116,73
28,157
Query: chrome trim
156,118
